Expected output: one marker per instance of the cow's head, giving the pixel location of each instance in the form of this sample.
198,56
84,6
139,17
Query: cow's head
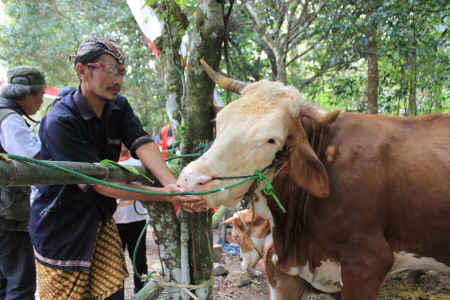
251,131
252,234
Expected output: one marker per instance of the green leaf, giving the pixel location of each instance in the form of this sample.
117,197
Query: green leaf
127,168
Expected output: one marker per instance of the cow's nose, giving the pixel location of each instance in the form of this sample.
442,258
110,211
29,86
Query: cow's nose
192,180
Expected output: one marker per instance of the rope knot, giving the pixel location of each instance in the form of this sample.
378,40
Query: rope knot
259,175
268,188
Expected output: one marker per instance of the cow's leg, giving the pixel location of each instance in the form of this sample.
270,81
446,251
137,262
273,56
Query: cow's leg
364,267
281,285
287,287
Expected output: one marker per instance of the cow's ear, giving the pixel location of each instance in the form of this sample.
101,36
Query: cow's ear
305,168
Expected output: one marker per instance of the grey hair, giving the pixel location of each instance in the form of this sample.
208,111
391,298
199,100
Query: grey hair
18,92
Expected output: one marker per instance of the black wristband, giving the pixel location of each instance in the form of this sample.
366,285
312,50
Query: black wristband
139,142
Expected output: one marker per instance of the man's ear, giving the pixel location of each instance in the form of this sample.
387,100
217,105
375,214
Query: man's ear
81,70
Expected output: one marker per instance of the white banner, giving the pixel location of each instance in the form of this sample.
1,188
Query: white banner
147,21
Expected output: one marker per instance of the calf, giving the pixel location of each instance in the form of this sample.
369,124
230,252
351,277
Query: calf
253,236
255,240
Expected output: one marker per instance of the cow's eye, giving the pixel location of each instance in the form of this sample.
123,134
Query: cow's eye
271,141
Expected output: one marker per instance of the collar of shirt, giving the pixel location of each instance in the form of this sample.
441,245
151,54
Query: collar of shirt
86,111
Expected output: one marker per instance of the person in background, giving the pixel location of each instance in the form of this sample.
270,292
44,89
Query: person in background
165,140
20,98
130,223
76,243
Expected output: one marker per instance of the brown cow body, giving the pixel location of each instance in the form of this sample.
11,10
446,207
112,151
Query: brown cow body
365,196
386,210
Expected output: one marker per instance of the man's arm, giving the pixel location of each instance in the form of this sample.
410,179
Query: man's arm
188,203
18,138
151,158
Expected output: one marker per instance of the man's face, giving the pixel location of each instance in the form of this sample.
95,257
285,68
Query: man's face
32,103
103,79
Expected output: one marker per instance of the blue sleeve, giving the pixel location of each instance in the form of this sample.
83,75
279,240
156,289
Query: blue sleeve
64,139
131,125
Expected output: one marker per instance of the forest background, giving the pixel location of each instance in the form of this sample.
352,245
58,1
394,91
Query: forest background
342,54
386,57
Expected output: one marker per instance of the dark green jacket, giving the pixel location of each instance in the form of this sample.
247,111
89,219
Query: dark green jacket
14,201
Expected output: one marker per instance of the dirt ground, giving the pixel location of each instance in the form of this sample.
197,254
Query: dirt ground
402,286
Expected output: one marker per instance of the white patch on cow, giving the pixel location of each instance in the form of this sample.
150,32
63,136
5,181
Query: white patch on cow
294,271
268,241
326,278
273,293
274,259
410,261
259,243
261,207
249,259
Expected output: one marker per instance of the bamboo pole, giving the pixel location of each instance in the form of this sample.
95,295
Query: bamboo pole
150,291
17,173
184,241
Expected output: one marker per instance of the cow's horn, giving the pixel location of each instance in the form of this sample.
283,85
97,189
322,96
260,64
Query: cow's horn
318,114
224,82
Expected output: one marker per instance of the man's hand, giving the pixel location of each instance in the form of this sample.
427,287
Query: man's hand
188,203
5,158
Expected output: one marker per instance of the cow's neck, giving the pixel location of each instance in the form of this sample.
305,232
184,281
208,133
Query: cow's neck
261,208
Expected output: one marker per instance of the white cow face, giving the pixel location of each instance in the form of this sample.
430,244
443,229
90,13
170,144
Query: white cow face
250,131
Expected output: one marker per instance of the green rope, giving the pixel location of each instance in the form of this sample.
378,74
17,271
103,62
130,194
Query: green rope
268,188
136,210
119,187
184,155
144,278
198,154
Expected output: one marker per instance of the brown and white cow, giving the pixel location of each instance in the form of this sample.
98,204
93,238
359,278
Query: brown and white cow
365,194
253,236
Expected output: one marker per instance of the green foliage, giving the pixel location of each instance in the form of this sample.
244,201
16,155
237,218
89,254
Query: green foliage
128,168
332,70
405,28
327,59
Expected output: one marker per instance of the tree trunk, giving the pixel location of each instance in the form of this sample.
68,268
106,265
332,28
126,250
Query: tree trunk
281,67
166,226
171,61
436,93
272,59
412,56
166,230
198,115
412,103
372,70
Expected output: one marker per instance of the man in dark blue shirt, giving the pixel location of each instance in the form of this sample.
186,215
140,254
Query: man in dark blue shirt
77,247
